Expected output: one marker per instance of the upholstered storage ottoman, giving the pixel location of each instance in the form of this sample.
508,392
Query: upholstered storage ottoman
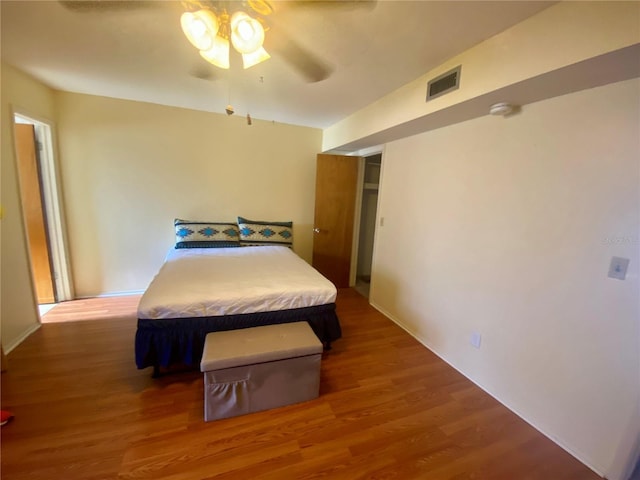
258,368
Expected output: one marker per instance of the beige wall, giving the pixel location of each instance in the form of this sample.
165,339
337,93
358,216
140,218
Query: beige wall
505,67
506,226
18,304
130,168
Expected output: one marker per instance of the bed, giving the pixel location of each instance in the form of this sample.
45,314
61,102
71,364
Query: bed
202,290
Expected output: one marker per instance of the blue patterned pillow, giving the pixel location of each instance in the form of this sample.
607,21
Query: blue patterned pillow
254,232
206,234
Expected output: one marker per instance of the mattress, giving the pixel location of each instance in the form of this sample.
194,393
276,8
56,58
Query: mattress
208,282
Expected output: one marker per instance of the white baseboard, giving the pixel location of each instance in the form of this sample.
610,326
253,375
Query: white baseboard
582,458
36,326
22,337
111,294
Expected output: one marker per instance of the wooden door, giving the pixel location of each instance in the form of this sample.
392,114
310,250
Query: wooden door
336,186
34,215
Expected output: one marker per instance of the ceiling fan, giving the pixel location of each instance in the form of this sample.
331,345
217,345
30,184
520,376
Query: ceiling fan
212,26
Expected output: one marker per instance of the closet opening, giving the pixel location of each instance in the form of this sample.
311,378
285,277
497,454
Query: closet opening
367,227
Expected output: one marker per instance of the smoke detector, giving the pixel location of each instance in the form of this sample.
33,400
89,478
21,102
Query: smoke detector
502,108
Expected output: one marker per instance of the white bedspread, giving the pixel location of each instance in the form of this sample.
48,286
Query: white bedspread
203,282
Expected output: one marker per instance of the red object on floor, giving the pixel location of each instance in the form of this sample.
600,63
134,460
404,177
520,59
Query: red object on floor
5,417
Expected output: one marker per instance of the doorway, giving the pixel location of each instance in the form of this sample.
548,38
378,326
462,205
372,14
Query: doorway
40,199
367,227
345,217
334,216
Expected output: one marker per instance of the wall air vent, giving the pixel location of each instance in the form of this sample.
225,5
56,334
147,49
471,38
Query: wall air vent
445,83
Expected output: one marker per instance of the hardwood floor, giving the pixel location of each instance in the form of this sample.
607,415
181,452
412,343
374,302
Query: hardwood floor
388,409
92,309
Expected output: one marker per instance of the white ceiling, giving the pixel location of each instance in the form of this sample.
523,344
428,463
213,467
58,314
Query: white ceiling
136,51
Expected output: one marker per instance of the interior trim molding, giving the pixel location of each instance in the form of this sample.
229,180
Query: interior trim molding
22,337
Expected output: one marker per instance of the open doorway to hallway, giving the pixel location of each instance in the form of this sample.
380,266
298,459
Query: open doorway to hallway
41,209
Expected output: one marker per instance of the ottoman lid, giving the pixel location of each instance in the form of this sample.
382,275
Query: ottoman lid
266,343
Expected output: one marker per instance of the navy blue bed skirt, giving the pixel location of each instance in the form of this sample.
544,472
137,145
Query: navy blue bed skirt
174,341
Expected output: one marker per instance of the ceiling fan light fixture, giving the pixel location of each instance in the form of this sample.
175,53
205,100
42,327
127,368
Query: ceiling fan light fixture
254,58
218,54
200,28
212,30
247,34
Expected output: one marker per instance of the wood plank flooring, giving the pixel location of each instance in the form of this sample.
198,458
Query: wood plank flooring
92,309
388,409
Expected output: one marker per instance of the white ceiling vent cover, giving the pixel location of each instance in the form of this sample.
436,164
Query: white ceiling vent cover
443,84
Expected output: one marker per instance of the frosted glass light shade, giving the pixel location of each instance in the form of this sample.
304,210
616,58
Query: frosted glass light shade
218,54
254,58
247,34
200,28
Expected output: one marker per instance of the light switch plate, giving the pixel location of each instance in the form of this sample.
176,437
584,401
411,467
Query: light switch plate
475,339
618,268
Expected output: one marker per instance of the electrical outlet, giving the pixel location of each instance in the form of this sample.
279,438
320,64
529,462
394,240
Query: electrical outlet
618,268
475,339
382,221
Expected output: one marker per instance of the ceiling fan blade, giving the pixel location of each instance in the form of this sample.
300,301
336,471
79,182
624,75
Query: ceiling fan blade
304,62
203,72
300,58
332,4
88,6
281,44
